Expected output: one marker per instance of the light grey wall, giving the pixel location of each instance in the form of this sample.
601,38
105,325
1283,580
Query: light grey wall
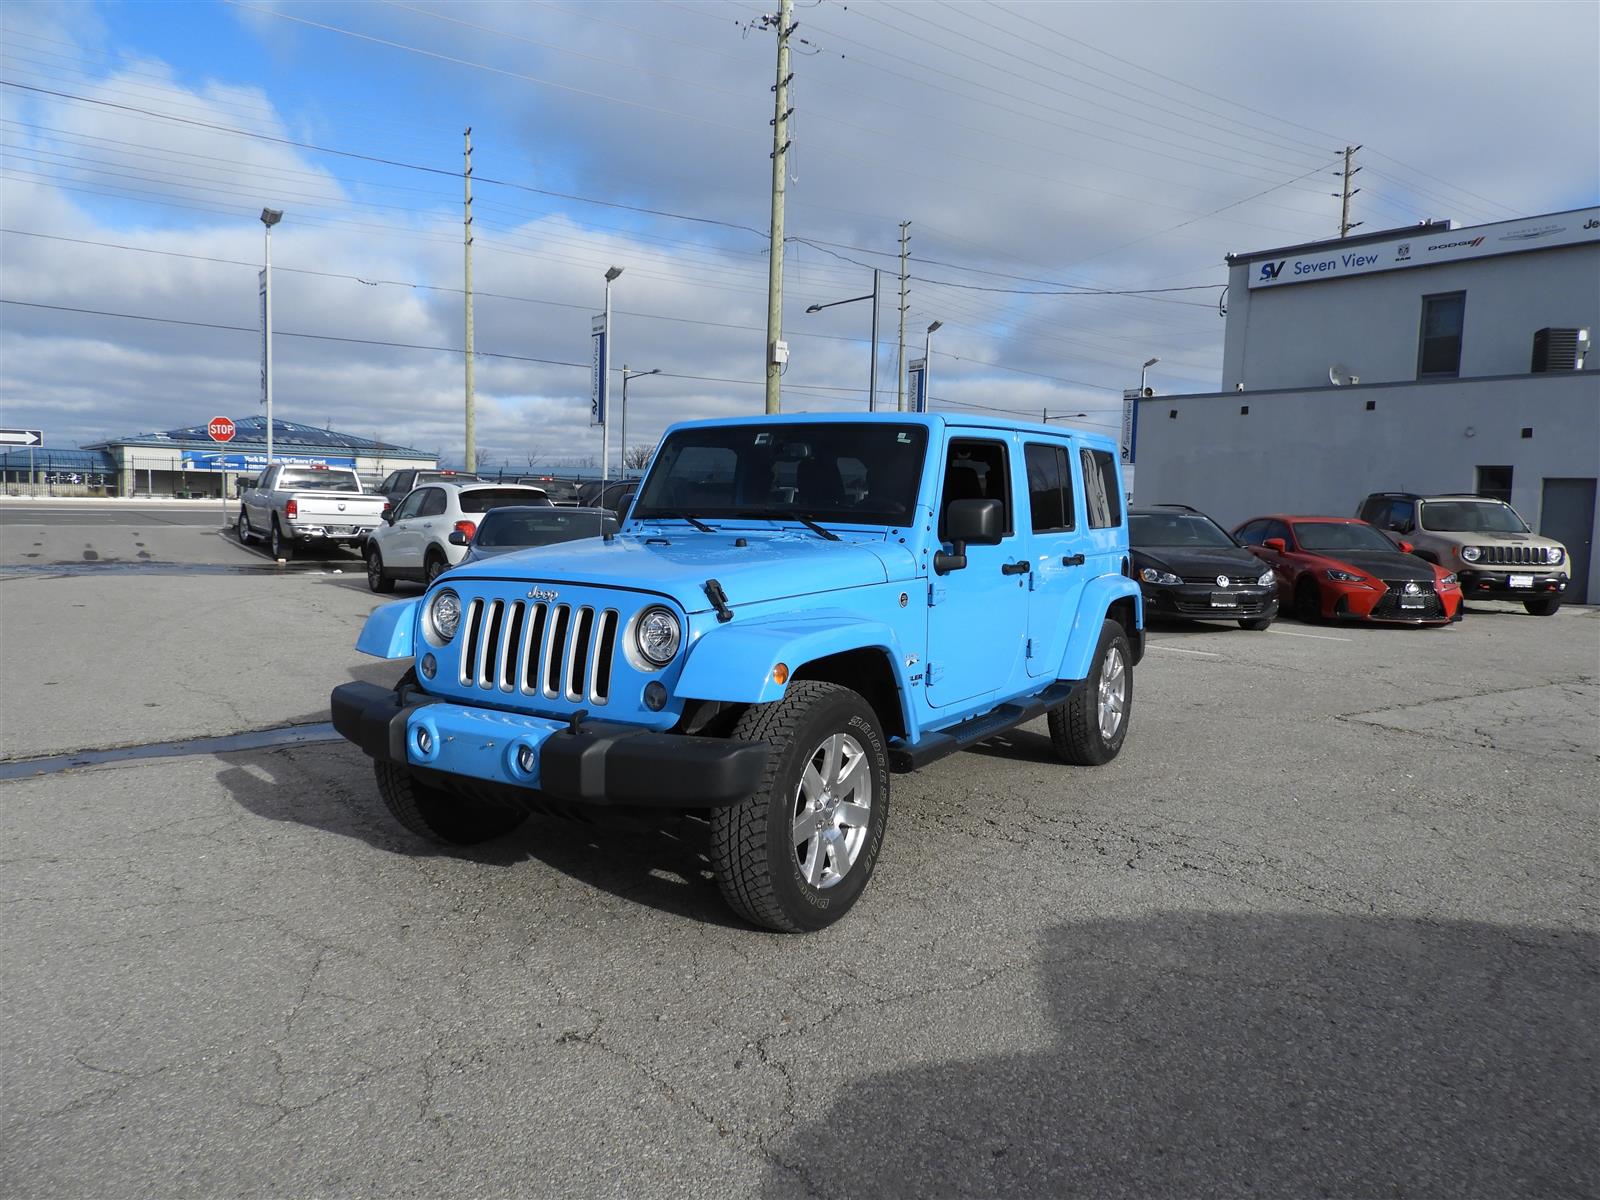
1320,451
1289,335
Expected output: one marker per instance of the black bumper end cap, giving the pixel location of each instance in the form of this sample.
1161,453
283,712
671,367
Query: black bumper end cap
612,764
372,717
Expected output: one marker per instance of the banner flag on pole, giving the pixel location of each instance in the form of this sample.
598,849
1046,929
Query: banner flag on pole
917,384
597,372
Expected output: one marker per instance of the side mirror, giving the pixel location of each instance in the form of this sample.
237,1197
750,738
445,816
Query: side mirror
977,521
457,538
1406,547
388,516
1277,545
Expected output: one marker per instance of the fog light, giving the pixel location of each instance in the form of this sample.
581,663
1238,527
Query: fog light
424,740
655,695
526,762
428,666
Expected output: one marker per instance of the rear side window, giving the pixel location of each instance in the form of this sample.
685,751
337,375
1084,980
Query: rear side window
1102,498
975,470
480,500
432,503
1049,487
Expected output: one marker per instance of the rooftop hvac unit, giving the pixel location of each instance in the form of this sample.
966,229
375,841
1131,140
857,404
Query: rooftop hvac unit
1559,349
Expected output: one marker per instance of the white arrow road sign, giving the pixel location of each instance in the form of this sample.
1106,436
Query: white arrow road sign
21,437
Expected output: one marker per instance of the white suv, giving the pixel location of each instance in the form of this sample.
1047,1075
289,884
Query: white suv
414,541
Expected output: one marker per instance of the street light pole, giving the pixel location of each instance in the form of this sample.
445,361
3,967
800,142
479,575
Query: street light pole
872,374
623,430
269,218
1148,364
605,384
927,365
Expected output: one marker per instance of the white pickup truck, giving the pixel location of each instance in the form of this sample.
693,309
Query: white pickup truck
292,505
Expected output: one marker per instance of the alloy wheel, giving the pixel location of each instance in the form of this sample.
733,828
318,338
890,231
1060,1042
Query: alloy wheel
832,809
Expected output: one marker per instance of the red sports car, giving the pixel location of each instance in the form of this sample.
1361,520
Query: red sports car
1339,567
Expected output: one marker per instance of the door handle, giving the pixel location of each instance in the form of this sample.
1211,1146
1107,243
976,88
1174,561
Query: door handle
1016,568
1072,560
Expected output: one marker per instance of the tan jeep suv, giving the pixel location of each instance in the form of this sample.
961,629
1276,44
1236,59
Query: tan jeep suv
1480,538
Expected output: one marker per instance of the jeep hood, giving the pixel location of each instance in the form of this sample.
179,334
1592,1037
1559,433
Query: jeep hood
769,566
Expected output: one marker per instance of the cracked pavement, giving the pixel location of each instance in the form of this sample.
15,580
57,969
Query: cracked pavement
1327,927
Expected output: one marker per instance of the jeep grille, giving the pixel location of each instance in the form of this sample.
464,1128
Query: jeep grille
558,651
1516,556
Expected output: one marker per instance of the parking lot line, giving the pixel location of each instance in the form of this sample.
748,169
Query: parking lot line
1177,650
1321,637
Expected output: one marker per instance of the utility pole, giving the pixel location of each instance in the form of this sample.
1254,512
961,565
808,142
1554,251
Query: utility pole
472,436
900,361
1345,223
776,351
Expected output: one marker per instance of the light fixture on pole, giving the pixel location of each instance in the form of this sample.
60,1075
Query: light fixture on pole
269,218
1047,418
605,382
623,416
1148,364
872,377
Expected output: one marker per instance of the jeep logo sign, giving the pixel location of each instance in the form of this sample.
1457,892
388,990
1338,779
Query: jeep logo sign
546,595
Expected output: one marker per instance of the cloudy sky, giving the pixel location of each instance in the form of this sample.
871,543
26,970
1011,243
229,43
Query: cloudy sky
1044,154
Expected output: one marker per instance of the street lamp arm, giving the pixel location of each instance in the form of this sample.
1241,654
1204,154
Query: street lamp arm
835,303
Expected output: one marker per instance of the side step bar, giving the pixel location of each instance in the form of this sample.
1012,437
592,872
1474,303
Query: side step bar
914,756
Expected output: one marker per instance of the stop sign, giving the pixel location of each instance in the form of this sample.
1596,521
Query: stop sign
220,429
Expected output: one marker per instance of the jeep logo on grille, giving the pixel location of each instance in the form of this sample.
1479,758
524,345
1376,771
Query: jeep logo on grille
544,594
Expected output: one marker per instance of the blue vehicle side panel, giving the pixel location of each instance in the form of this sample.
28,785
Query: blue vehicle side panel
1098,596
388,632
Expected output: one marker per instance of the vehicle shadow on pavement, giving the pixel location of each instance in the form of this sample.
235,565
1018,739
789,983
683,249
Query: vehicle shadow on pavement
329,787
1219,1055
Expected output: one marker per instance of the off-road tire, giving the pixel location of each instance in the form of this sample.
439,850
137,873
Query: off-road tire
377,581
1308,601
1256,625
752,845
247,535
278,545
1075,731
1545,606
433,566
438,815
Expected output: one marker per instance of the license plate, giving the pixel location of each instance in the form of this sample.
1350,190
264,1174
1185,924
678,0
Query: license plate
1413,602
1520,581
1224,600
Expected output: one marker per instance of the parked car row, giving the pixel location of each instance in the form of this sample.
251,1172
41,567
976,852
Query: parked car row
1403,559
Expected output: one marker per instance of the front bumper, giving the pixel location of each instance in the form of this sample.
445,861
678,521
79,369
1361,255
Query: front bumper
1198,602
1496,584
591,762
1359,602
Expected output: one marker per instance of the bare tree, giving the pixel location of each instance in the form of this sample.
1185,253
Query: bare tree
480,459
636,458
533,456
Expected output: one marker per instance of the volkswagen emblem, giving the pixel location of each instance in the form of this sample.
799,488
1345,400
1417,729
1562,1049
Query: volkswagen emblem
341,508
1413,589
1222,581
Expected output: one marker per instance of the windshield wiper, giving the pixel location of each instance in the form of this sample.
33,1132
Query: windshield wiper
785,514
677,516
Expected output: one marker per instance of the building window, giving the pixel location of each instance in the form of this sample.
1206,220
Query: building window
1495,483
1440,351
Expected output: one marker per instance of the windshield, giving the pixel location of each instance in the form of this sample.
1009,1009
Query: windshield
512,528
319,481
1340,535
851,472
1175,529
1471,516
477,500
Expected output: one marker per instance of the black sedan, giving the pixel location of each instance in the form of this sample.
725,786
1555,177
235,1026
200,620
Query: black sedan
522,527
1189,567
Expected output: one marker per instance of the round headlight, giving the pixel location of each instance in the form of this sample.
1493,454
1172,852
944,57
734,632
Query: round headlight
1554,554
1471,554
657,634
444,614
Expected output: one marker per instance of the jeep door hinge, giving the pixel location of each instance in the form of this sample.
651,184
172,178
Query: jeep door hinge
935,673
936,594
1029,653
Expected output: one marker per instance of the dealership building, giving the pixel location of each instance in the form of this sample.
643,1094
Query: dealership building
189,462
1427,359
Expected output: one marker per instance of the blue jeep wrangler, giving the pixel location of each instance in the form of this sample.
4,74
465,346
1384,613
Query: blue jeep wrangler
794,608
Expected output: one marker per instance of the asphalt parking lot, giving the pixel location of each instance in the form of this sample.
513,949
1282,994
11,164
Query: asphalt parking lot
1328,927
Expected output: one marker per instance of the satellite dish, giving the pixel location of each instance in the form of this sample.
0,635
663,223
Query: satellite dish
1338,375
